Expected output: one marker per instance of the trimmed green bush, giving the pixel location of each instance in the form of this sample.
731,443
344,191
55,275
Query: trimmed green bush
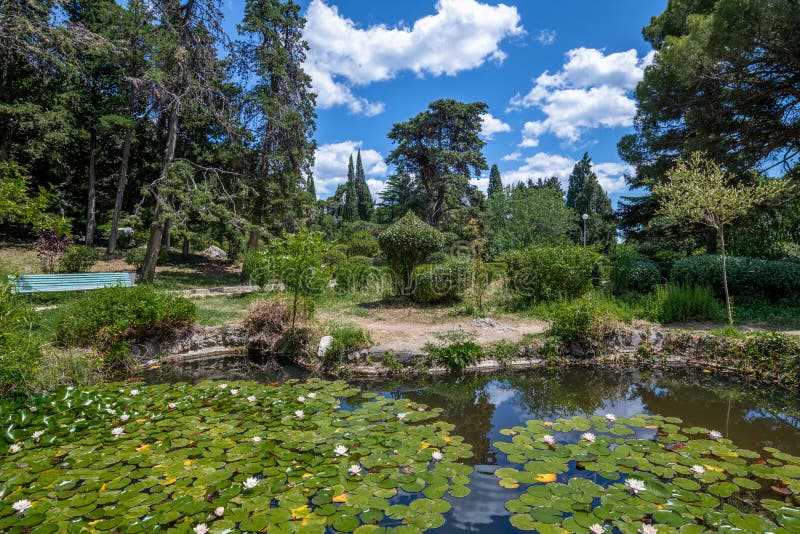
356,273
671,303
77,259
363,244
747,277
443,282
582,322
110,319
634,274
20,354
406,244
549,273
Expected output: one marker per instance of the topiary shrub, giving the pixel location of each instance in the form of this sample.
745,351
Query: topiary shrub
747,277
406,244
77,259
444,282
363,244
549,273
110,319
634,274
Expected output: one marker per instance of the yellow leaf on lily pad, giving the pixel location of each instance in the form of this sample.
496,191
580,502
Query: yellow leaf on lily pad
547,423
188,462
302,511
102,488
546,477
340,498
714,468
143,447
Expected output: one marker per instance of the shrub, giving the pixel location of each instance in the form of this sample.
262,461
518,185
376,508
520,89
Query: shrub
406,244
110,319
672,303
456,350
267,317
363,244
49,247
774,353
549,273
356,273
634,274
77,259
346,339
20,354
444,282
582,322
749,277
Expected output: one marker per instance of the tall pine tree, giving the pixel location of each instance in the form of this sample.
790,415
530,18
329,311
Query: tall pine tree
350,208
365,202
495,182
585,196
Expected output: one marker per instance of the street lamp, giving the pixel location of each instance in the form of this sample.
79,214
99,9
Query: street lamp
585,218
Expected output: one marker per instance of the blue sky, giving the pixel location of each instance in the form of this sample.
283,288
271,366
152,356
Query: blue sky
558,78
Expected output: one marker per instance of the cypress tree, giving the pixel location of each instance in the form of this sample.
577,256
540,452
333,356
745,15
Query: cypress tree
350,210
495,182
585,195
365,202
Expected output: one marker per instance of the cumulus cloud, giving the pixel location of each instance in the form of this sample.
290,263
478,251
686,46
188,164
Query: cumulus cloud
611,175
514,156
491,125
461,35
591,90
546,37
330,166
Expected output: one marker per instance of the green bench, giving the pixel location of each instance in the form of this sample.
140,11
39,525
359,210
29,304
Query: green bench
51,283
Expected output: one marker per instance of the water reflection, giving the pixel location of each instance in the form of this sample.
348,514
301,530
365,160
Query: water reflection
480,405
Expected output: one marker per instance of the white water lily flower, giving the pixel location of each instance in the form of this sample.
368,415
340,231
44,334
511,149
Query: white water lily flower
38,434
299,413
172,405
134,392
354,470
256,439
124,417
648,529
33,409
548,439
312,395
635,485
219,511
597,528
234,392
402,415
301,399
437,456
251,398
250,483
713,434
588,436
698,469
610,417
202,528
14,448
111,412
118,431
340,450
21,505
223,386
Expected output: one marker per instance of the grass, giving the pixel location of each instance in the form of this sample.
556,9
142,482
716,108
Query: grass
212,311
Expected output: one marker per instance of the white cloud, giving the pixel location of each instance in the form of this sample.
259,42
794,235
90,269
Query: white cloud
546,37
544,165
514,156
330,166
591,90
461,35
491,125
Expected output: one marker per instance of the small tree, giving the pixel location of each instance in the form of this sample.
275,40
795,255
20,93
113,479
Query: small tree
700,191
299,261
406,244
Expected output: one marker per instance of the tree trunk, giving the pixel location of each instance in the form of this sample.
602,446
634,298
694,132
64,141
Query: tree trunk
90,204
725,274
185,247
123,181
159,220
166,241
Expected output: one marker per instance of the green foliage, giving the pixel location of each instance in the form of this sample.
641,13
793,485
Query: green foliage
747,277
77,259
495,182
346,340
456,350
110,319
774,353
19,205
634,474
20,353
634,274
443,282
241,447
365,203
358,274
585,196
549,273
406,244
583,322
672,303
361,243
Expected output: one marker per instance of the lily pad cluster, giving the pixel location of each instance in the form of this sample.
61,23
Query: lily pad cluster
644,474
311,456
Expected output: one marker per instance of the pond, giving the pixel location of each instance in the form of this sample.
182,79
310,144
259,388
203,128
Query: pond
479,406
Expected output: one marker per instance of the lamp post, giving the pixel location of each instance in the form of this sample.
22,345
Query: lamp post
585,218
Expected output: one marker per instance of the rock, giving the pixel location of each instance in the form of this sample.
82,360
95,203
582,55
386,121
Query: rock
214,253
324,346
125,237
485,322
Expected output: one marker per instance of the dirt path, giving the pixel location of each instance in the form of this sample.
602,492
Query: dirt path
410,329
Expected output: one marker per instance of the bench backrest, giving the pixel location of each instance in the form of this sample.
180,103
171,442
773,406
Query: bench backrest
47,283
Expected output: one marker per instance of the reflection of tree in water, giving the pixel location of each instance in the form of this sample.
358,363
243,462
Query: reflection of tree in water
464,400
